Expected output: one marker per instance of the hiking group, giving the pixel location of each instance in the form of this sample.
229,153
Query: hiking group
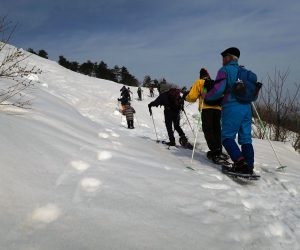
225,111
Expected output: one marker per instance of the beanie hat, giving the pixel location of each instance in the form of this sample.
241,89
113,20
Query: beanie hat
231,52
204,73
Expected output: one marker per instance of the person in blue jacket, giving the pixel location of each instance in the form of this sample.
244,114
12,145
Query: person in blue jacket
236,117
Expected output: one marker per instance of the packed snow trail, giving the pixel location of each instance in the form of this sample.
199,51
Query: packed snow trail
74,177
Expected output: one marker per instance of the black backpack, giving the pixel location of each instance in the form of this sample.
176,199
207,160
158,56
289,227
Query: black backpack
175,100
208,86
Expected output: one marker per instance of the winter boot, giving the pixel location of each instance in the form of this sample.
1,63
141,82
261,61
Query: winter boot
224,156
242,167
209,155
185,143
171,143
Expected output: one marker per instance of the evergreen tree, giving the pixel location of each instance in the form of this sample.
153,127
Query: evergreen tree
127,78
87,68
147,81
31,51
43,53
103,72
74,66
64,62
117,73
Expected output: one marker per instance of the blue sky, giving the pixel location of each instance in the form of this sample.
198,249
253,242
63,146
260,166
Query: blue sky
170,38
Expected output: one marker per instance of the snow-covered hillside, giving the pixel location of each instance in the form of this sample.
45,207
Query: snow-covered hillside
74,178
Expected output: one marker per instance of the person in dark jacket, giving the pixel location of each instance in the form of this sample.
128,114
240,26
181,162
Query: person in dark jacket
139,92
172,115
129,112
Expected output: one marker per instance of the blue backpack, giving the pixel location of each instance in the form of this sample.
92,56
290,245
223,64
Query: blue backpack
246,87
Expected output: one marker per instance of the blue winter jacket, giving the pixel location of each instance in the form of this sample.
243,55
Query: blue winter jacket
225,79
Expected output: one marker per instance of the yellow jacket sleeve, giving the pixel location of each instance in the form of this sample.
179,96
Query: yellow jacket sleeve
196,91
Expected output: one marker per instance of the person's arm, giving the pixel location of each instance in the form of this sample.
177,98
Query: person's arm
195,92
219,88
157,102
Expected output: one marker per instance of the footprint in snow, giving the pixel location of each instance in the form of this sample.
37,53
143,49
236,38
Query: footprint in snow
80,166
90,185
115,135
215,186
46,214
103,135
104,155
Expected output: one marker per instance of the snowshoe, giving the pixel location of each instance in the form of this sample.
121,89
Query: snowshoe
185,143
216,159
242,167
170,143
230,171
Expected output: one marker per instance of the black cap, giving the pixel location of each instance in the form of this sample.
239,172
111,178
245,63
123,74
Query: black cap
231,52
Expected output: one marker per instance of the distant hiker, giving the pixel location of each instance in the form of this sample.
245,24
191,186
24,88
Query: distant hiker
125,93
236,116
151,89
139,92
129,92
128,111
210,116
173,104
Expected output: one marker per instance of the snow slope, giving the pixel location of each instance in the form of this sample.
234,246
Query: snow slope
74,178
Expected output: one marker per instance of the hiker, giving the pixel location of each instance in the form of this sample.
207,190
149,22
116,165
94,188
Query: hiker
210,116
139,92
129,92
173,104
151,88
236,116
128,111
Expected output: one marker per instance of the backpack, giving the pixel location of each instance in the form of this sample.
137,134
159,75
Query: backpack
175,100
209,85
246,87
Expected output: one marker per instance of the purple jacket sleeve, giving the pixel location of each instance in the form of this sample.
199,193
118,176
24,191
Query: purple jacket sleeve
219,88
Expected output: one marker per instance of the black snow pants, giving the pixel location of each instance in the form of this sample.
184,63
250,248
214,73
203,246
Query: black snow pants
211,126
173,118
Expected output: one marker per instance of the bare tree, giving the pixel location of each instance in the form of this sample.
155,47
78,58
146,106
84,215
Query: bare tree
13,67
277,106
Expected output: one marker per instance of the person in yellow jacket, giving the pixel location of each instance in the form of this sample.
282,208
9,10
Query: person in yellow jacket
210,116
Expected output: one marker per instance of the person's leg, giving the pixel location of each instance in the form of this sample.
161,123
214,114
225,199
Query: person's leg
128,123
217,130
245,138
168,122
206,128
209,129
176,122
231,120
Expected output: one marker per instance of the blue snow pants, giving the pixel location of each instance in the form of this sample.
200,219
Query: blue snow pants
236,121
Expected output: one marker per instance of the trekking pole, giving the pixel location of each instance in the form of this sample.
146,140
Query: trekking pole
189,122
198,123
155,129
268,137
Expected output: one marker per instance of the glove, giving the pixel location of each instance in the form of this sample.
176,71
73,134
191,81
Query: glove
185,94
150,110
